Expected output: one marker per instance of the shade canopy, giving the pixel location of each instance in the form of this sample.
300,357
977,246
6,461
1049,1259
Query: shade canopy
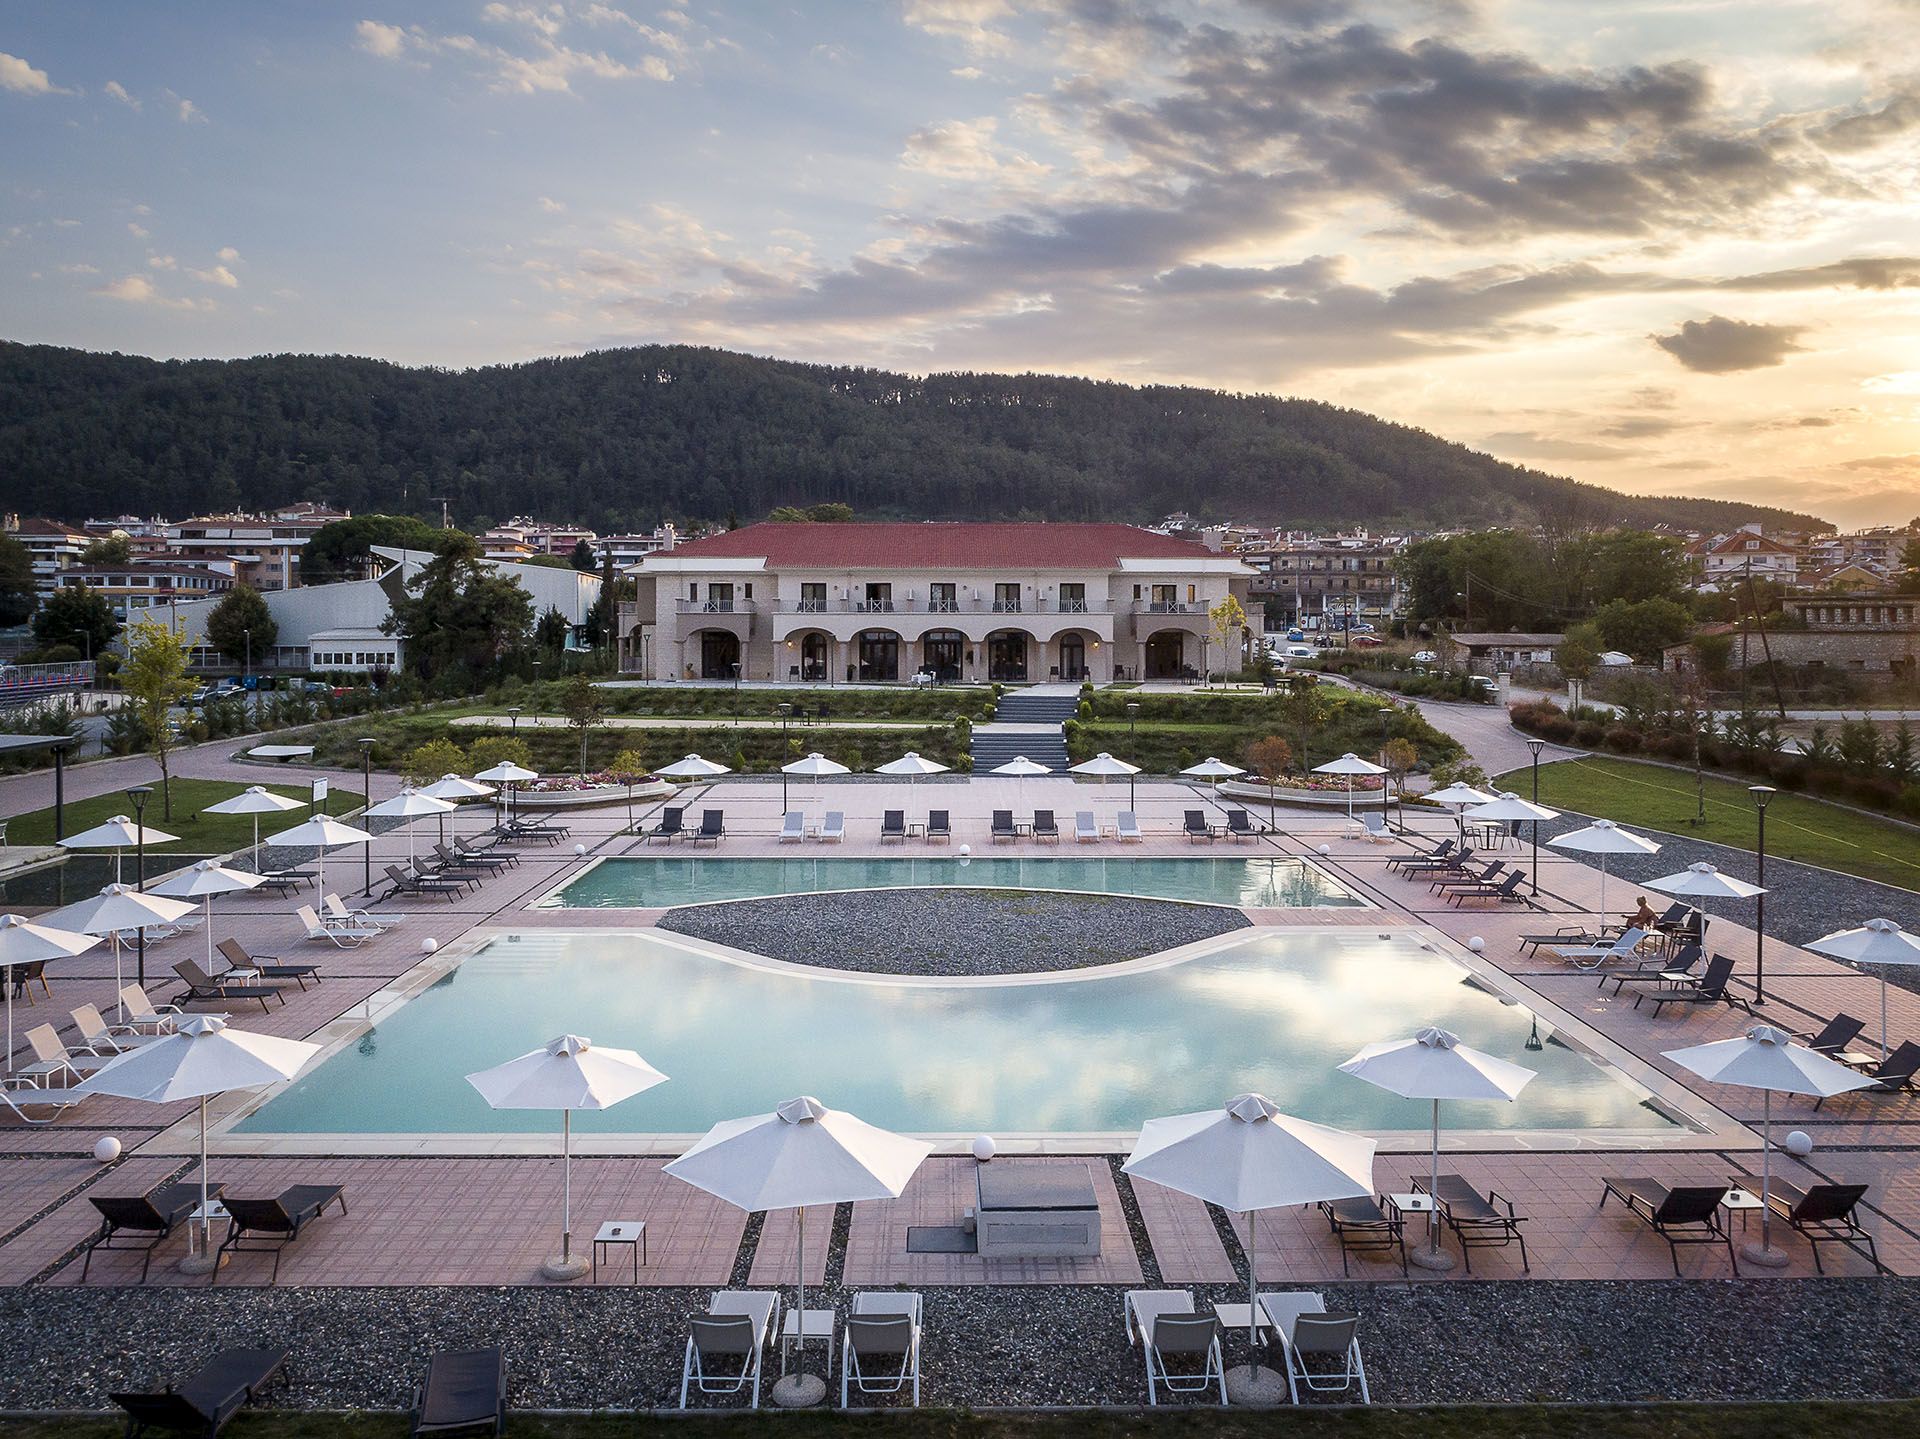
1703,881
452,786
1020,767
815,766
1877,941
1767,1058
1104,764
411,804
207,877
911,763
202,1057
120,832
1603,836
802,1153
1458,795
569,1073
255,800
116,908
1509,807
1434,1064
22,941
321,832
1247,1155
507,772
1349,764
691,767
1211,768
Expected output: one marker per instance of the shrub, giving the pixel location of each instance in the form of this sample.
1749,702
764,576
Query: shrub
1623,739
1588,733
433,759
490,750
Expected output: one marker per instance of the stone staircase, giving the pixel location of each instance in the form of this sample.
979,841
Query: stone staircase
1026,722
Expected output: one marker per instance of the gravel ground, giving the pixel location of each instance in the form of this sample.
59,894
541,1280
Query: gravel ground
953,931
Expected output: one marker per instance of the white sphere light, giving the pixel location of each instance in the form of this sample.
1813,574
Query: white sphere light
429,945
579,849
107,1149
965,850
1476,944
983,1147
1324,850
1799,1144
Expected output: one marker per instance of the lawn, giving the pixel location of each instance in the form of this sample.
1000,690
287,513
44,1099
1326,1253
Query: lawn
199,833
1677,1421
1653,797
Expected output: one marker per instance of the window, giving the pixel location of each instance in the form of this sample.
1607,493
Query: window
813,598
747,590
1006,599
879,599
719,599
944,599
1166,599
1193,593
693,592
1073,599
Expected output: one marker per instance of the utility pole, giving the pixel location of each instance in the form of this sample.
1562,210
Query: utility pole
446,520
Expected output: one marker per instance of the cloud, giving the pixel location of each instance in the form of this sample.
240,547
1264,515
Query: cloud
1863,272
139,290
119,92
227,255
1883,462
139,232
217,275
552,207
160,262
536,58
1901,382
965,150
969,22
1525,444
22,79
389,42
1719,346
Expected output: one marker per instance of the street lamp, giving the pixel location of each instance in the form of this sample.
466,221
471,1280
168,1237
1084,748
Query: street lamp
785,711
139,794
1133,712
1536,745
366,803
1386,780
1762,796
513,719
246,672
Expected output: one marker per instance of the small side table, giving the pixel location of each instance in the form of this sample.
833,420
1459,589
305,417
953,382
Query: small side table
616,1232
1742,1202
1412,1203
798,1326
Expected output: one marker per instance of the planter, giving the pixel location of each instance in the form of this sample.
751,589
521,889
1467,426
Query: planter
1256,793
587,798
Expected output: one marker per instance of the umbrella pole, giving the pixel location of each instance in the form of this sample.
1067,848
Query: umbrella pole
206,1219
1433,1191
1883,1017
1253,1312
566,1185
209,937
119,982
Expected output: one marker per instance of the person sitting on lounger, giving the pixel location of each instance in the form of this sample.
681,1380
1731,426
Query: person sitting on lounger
1644,916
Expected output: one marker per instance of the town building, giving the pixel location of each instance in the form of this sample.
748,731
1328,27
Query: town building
1329,583
140,585
1746,554
1014,603
51,547
1869,632
264,549
522,538
628,550
1494,654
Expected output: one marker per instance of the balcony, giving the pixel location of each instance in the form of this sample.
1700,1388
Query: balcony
1167,607
965,606
713,607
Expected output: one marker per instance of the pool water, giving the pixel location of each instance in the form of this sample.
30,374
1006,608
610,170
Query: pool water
627,883
1100,1054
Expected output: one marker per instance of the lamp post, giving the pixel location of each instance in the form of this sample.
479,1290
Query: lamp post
246,672
785,711
1762,796
1386,780
513,719
139,794
366,803
1133,713
1536,745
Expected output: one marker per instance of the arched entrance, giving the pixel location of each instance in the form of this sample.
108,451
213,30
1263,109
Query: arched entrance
1073,657
1007,656
877,656
719,654
808,656
941,654
1166,655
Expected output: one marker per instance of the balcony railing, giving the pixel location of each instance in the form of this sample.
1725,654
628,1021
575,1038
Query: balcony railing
714,607
963,606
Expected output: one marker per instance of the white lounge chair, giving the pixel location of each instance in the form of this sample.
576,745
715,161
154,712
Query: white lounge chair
736,1328
103,1038
1592,956
835,827
793,827
18,1101
1375,827
144,1015
1307,1332
1164,1324
1085,831
1128,828
346,936
51,1057
880,1351
339,913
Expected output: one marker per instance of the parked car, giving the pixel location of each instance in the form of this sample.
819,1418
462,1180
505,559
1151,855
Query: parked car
1425,657
1300,652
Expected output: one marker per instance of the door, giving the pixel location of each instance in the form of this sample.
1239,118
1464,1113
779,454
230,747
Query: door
719,655
1073,657
813,657
943,649
879,656
1007,657
1166,655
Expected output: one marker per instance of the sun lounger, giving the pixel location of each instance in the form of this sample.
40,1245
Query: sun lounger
272,1224
880,1349
18,1101
345,936
713,827
1085,830
1505,892
1820,1213
1659,970
202,987
1892,1075
834,829
1044,827
469,877
1241,825
1569,936
1592,956
466,859
893,825
1320,1350
1478,1221
542,829
1003,826
793,827
672,825
52,1059
1440,882
1454,860
263,966
1834,1036
142,1015
24,975
336,911
1689,1215
1363,1227
203,1402
1710,988
492,849
1193,824
285,881
939,825
1438,853
399,882
1375,828
1128,827
734,1331
1173,1340
145,1219
464,1389
99,1037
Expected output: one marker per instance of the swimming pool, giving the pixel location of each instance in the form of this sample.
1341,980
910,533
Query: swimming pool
1280,882
1093,1052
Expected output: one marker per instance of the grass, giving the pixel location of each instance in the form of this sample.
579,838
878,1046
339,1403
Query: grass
199,833
1676,1421
1799,828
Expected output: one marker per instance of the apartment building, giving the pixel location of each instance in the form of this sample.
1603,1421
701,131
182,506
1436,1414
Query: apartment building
138,586
264,549
1016,603
521,538
51,547
1748,554
1329,582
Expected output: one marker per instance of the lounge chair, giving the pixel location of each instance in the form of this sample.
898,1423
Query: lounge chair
1478,1221
99,1037
1127,830
1443,881
399,882
880,1350
345,936
52,1058
149,1218
713,827
204,1402
1454,861
541,829
1085,830
202,987
1194,826
1363,1227
24,975
1892,1075
242,965
495,848
834,829
1659,970
1710,988
1044,827
1569,936
1439,852
336,911
672,825
1592,956
1689,1215
464,1389
1505,892
273,1224
18,1101
469,877
285,881
1834,1036
1320,1350
1821,1213
939,825
452,862
735,1329
893,824
144,1016
793,827
1003,826
1241,825
1164,1324
1375,827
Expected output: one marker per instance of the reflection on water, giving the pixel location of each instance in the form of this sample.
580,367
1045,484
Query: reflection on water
1263,883
1275,1014
82,875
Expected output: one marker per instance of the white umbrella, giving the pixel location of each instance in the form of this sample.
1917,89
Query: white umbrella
803,1153
256,801
1435,1065
814,766
1766,1058
1508,808
570,1073
113,911
1349,764
201,1058
691,767
1211,768
1457,797
118,833
452,787
24,942
912,765
1248,1156
321,833
1603,837
203,881
1878,942
1105,766
410,805
1703,881
507,773
1022,769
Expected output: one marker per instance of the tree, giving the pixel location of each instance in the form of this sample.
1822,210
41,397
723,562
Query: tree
241,626
1636,565
1270,758
822,514
552,631
1302,707
155,680
548,562
434,759
341,549
1712,654
1644,628
1228,622
582,557
492,749
76,615
18,593
1578,657
459,612
629,766
584,709
110,552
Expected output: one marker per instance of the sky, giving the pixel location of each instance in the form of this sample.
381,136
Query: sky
1670,247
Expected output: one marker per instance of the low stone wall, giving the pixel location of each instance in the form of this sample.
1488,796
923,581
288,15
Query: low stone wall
1363,799
589,798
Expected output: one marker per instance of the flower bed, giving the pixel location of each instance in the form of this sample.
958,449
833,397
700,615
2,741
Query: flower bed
1325,792
572,791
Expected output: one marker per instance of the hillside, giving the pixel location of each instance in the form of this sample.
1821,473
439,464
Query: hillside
624,438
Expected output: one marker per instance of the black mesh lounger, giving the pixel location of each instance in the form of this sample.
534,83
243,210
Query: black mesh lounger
1688,1215
147,1218
1478,1221
203,1403
465,1389
273,1224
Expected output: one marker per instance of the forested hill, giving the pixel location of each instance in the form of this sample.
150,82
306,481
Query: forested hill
625,438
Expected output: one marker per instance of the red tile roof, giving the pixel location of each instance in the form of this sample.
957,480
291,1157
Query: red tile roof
941,545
